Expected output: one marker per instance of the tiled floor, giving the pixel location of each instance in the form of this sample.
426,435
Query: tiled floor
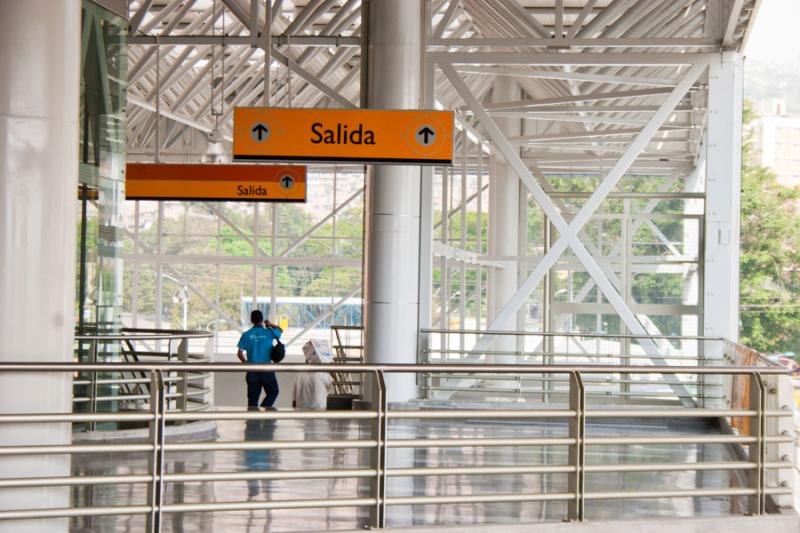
350,518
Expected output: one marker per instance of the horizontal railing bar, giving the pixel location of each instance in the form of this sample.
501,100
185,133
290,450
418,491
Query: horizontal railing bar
395,443
687,493
136,336
568,334
688,439
271,415
669,467
601,381
184,478
74,481
671,413
267,505
780,439
271,474
120,398
779,465
185,447
666,467
143,416
191,377
69,512
479,498
528,390
566,354
37,418
73,449
358,502
478,442
776,491
400,368
268,445
366,473
478,470
480,413
129,397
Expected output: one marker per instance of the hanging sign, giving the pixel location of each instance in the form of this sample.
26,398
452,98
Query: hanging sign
211,182
356,135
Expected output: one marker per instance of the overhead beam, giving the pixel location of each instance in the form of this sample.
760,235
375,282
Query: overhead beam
611,42
571,58
618,79
228,40
591,97
728,38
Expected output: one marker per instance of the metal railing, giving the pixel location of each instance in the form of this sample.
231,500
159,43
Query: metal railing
348,348
110,391
756,447
552,348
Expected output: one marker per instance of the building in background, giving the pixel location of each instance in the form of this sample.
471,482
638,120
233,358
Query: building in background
776,138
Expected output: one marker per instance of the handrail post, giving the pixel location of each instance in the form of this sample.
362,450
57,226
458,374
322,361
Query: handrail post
377,517
156,494
93,386
755,477
577,452
183,382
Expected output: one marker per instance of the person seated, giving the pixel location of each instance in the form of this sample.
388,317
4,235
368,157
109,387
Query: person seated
311,388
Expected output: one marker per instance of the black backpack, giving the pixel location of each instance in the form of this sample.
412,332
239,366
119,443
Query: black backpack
278,351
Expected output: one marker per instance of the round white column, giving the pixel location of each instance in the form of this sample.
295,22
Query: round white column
392,265
504,224
39,96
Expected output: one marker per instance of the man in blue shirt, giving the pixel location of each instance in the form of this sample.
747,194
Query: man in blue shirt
256,343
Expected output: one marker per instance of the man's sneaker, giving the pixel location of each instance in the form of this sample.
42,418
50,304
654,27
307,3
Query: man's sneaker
253,408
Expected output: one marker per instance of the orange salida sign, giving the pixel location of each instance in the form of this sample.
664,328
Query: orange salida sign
211,182
357,135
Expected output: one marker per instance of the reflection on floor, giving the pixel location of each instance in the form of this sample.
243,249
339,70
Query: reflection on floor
351,518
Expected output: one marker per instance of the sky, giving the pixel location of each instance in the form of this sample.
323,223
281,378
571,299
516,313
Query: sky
774,37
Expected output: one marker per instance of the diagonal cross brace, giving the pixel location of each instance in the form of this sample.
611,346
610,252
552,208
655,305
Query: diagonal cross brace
569,232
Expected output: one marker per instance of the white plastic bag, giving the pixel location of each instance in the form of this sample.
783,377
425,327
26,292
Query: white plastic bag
317,352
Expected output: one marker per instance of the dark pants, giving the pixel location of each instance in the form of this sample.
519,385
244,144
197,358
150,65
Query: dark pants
258,380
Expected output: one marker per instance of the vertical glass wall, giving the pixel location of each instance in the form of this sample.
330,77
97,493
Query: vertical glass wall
102,165
100,196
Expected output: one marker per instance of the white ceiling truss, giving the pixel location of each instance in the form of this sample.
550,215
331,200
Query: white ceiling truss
586,66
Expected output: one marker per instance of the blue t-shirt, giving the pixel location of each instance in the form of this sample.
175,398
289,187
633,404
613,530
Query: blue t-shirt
257,342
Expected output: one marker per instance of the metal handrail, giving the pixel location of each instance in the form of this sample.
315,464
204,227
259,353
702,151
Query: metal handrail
377,444
23,366
569,334
185,388
146,335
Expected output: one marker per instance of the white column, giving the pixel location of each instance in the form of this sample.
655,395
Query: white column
393,216
723,200
504,222
39,93
723,197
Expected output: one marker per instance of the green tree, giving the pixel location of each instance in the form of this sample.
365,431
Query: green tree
770,258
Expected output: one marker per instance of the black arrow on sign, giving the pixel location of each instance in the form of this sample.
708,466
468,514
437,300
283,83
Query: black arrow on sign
260,130
286,181
426,132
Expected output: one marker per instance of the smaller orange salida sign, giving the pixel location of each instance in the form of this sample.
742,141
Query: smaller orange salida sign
211,182
357,135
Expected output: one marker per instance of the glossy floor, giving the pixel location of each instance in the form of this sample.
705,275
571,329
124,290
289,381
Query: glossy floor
351,518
